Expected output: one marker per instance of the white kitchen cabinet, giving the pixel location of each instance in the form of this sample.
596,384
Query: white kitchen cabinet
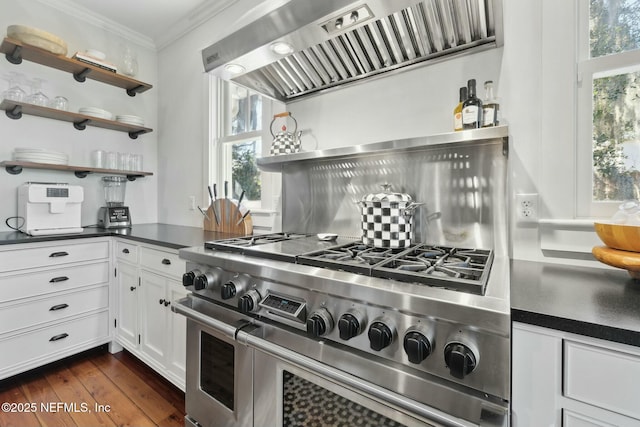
150,279
563,379
127,318
54,301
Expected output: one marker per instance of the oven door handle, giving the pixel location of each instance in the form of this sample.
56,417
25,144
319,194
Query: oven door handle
491,416
182,306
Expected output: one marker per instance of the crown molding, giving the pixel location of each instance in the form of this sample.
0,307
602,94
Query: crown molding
80,12
199,15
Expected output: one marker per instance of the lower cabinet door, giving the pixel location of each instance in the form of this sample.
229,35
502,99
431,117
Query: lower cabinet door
177,351
153,316
128,290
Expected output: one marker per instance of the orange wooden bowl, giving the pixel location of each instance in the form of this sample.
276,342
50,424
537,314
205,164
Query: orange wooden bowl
619,236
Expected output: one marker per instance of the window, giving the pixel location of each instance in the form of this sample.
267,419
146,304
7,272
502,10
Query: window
240,118
608,105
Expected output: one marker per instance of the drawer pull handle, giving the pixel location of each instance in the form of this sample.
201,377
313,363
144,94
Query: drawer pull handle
58,254
166,261
58,337
133,288
125,251
58,307
167,303
59,279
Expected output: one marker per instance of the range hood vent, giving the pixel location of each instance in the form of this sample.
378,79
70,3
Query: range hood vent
309,46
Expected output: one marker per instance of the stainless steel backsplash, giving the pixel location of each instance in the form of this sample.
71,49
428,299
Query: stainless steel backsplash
463,188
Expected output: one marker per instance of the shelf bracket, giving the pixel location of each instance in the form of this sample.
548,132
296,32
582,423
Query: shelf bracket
13,170
133,177
134,90
81,174
134,135
15,57
82,75
14,113
81,125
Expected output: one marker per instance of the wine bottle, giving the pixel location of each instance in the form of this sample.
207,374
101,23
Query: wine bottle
471,108
457,112
490,106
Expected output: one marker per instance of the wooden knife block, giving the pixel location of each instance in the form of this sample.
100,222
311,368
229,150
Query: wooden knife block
228,217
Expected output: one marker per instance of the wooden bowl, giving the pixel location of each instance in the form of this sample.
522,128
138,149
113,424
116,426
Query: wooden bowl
619,236
626,260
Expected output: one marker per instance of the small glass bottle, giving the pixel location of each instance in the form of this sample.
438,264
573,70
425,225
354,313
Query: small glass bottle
457,112
490,106
471,108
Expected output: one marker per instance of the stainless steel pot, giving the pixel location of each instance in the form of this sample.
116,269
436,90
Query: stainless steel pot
387,218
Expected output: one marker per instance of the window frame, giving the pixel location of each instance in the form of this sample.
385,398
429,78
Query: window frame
589,69
220,144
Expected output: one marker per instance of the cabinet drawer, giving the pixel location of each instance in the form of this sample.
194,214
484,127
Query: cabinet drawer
38,311
46,256
602,377
38,344
59,279
162,262
127,252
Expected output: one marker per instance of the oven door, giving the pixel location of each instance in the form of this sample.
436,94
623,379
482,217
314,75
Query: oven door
293,389
219,381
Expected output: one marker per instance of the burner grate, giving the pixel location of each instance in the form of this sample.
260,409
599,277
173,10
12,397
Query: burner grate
237,244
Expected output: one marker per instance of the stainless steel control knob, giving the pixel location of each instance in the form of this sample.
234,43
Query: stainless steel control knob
249,301
319,323
204,280
189,277
380,335
417,346
351,324
460,359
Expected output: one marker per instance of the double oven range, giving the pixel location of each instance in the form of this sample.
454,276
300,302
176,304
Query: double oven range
289,330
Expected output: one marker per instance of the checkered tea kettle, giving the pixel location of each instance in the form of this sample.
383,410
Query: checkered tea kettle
387,218
285,142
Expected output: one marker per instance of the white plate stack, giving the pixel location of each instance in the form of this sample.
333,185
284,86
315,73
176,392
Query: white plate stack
96,112
38,155
130,120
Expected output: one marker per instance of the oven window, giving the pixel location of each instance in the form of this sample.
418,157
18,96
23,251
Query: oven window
309,405
216,369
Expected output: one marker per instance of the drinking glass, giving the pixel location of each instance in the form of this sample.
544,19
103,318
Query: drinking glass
15,92
59,103
98,158
37,97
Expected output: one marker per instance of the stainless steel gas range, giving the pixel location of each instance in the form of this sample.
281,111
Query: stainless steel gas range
285,329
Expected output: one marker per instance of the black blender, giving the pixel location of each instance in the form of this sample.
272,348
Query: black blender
115,214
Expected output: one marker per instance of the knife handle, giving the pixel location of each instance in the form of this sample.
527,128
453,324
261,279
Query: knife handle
210,193
215,191
240,199
226,189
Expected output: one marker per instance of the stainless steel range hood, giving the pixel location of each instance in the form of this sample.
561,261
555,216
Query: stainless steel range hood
337,42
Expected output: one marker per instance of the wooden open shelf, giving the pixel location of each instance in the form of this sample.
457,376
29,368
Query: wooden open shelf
15,51
15,110
15,167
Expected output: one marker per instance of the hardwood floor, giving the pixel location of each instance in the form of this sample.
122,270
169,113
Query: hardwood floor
94,388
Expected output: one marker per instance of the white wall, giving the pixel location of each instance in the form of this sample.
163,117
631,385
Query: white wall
36,132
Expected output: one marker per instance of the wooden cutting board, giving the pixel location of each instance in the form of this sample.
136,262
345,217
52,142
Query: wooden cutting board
629,261
228,217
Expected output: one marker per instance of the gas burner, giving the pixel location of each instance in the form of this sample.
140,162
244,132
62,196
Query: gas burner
236,244
353,257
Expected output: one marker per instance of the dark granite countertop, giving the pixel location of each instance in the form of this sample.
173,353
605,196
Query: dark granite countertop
600,303
167,235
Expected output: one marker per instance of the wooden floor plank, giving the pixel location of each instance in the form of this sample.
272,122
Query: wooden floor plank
16,415
142,394
122,410
137,395
69,389
166,389
38,390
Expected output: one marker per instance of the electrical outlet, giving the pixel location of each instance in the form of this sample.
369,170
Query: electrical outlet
192,203
527,207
